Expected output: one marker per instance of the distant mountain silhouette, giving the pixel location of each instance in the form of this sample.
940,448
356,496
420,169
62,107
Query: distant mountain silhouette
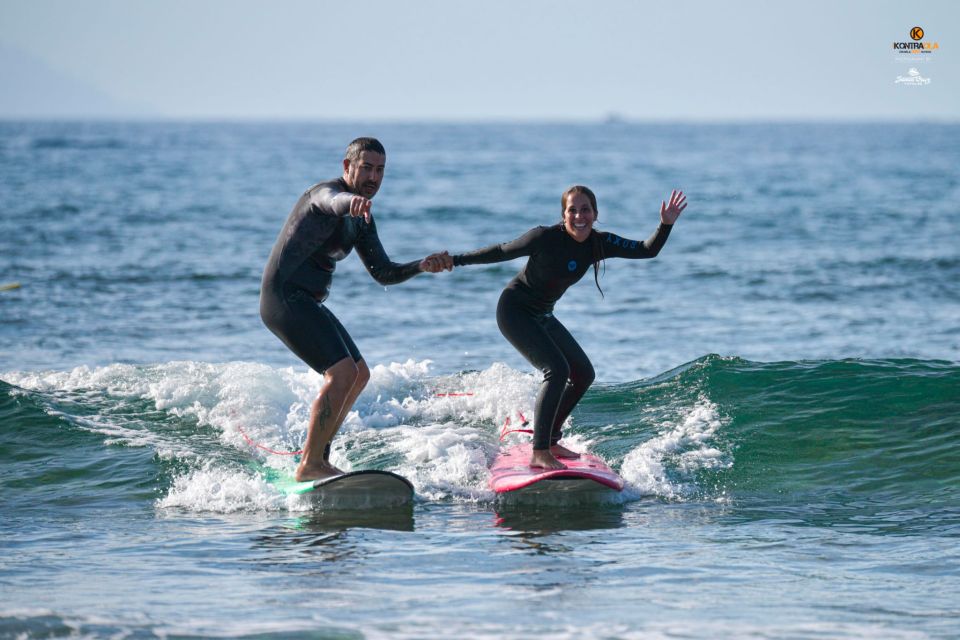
32,89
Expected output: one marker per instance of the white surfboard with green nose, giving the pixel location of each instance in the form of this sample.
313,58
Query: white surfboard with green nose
367,489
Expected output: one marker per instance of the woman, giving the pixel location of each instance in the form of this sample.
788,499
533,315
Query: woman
559,256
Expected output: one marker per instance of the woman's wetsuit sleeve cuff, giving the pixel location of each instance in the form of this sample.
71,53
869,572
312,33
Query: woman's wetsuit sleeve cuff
487,255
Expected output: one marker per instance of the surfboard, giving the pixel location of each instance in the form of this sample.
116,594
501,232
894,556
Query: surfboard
365,489
511,474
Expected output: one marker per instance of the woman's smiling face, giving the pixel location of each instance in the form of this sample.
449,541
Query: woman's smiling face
579,216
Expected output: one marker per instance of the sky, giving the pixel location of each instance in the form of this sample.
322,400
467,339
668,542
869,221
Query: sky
452,60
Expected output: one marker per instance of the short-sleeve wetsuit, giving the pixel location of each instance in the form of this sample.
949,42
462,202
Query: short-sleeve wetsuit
318,233
525,311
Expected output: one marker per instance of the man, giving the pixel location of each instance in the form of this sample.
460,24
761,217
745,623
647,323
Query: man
328,221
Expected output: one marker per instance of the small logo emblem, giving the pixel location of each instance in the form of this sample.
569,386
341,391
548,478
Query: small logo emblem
572,265
913,77
916,33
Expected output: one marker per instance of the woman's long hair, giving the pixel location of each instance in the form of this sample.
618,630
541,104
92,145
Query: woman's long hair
595,242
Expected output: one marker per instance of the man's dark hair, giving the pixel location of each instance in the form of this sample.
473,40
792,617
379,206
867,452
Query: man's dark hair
358,146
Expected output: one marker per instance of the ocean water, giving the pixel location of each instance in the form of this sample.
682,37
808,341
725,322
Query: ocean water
780,388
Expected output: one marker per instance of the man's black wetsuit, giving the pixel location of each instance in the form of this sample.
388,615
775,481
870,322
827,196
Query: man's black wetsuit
525,310
318,233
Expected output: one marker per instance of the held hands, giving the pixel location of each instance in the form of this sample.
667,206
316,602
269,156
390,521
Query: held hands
670,212
360,206
436,262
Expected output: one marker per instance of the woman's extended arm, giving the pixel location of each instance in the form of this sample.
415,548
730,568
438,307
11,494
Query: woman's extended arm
616,247
522,246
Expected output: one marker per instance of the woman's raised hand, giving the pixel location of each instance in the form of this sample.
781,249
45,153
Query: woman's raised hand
670,212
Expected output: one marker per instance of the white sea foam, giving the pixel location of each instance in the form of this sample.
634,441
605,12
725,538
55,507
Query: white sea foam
446,460
444,428
440,432
221,490
666,465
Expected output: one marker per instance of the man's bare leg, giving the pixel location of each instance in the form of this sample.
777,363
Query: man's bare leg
363,376
338,381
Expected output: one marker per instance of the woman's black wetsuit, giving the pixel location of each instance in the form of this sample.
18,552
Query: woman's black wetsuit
318,233
525,310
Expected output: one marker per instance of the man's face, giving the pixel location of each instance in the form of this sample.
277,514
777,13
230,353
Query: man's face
365,175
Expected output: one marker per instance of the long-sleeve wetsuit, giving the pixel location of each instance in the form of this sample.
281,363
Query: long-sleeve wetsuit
318,233
525,311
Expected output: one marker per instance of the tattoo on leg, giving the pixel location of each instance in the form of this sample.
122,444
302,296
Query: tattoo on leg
325,411
324,419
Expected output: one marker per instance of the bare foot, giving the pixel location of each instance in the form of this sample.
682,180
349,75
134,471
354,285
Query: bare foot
544,460
560,451
316,472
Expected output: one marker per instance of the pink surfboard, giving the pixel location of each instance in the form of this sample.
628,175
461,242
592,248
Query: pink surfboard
511,472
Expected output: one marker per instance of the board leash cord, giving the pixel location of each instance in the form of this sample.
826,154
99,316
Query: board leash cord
504,431
252,443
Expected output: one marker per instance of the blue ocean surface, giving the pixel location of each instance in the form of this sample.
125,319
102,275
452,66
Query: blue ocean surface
780,387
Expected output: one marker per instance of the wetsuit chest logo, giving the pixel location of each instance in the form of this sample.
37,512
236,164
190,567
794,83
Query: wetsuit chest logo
572,265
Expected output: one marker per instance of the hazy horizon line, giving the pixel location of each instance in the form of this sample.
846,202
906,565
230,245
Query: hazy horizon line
609,120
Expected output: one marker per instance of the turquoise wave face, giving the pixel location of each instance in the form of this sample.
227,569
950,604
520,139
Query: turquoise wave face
884,429
872,443
839,443
56,459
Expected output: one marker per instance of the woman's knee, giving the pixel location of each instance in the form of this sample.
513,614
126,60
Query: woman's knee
583,375
556,370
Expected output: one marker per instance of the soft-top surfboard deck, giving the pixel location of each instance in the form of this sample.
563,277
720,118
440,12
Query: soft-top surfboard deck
354,490
511,473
